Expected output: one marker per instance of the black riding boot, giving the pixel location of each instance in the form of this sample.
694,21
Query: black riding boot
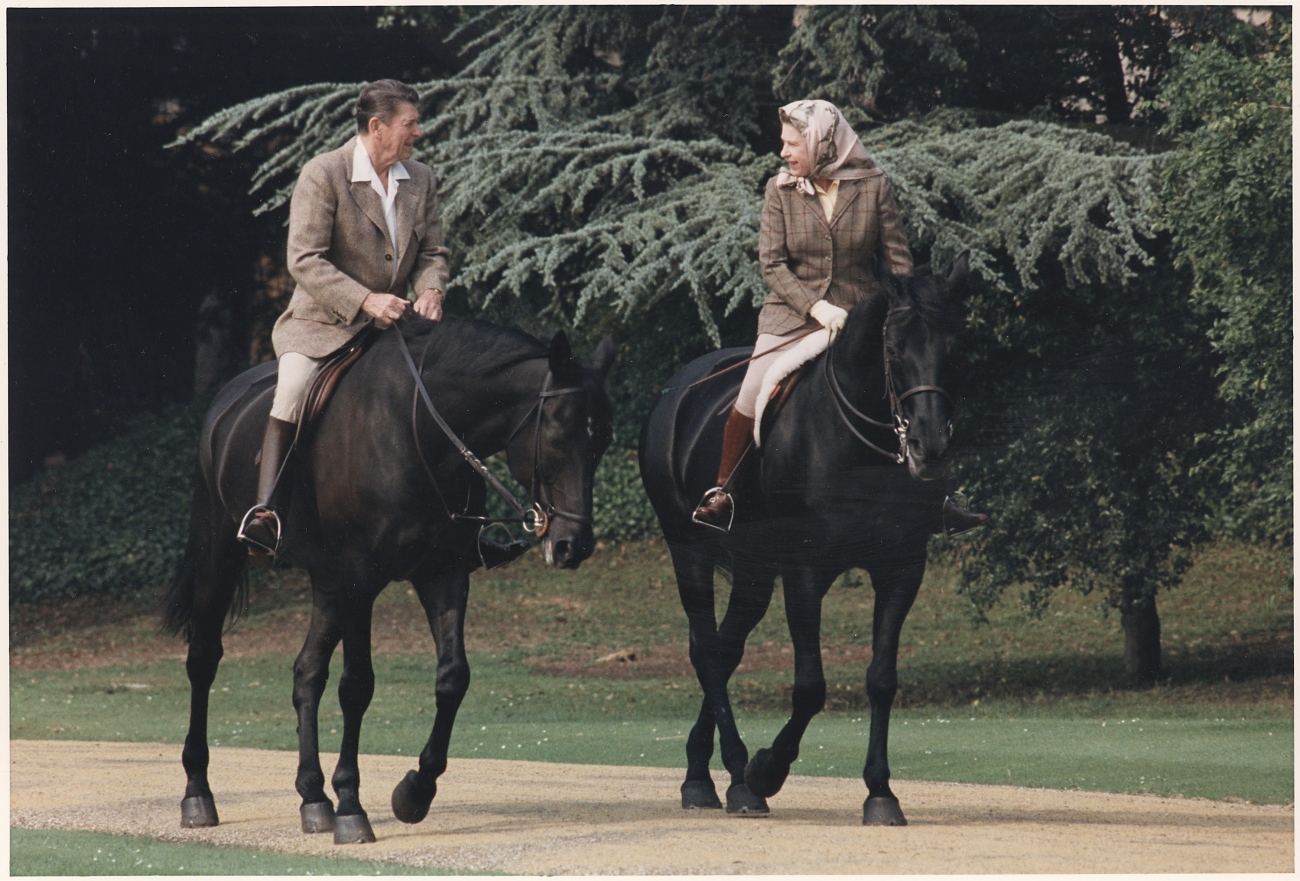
261,529
494,553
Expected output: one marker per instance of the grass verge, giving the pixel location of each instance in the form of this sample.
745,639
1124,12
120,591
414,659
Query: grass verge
52,852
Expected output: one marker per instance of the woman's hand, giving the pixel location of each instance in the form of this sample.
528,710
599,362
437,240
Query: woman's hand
430,304
830,316
384,308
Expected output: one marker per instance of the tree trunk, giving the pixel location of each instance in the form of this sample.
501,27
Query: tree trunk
1141,624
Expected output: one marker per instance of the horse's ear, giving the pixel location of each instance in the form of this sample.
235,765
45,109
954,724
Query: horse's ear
560,355
959,275
604,357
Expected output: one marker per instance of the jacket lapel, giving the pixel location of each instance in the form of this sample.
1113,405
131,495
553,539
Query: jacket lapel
814,206
362,193
849,190
406,207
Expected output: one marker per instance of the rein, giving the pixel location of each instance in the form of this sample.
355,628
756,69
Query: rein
900,424
535,519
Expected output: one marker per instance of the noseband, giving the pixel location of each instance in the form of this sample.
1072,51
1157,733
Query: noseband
535,519
900,424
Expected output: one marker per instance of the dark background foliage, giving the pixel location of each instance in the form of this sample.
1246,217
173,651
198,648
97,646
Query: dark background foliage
1122,175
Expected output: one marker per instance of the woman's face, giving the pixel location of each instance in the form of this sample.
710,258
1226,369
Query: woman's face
794,150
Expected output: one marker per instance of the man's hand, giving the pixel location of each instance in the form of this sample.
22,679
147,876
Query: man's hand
430,304
830,316
384,308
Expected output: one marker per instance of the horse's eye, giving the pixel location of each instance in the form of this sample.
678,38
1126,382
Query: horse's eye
591,427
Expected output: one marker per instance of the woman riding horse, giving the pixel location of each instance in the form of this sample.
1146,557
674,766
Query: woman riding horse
363,229
826,216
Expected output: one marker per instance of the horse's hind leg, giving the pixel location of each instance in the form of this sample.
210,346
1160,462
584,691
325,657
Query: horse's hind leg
693,567
310,674
356,688
444,595
804,589
896,590
209,590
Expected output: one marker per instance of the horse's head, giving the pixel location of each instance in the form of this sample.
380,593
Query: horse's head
557,457
921,336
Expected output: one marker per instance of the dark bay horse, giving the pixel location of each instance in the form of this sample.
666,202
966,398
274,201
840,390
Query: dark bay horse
375,485
829,494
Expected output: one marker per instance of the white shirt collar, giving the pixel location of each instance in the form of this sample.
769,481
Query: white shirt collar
364,171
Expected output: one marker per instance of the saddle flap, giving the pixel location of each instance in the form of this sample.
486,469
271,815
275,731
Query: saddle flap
327,378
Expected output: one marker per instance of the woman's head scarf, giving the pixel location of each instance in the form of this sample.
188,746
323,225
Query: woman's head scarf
833,147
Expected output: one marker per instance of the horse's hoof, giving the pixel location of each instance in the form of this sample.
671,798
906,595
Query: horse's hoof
763,777
317,817
353,829
741,801
197,811
882,810
411,800
699,794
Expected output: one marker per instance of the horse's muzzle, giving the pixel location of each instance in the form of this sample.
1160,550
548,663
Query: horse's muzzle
923,464
567,552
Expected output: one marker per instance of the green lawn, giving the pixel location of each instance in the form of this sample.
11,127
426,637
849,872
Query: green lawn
1219,726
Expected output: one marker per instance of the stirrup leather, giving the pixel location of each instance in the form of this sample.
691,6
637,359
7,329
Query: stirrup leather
253,544
709,495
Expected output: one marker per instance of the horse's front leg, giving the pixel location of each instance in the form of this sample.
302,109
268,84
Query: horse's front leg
444,594
356,688
896,590
803,588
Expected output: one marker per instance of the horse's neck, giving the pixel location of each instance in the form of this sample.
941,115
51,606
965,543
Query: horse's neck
481,400
860,362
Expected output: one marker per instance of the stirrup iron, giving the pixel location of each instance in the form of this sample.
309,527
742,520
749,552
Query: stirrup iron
253,544
708,495
961,503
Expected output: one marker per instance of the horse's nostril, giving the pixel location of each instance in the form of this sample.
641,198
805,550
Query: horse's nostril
562,549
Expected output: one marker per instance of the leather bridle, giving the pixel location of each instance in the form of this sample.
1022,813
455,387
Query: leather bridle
535,519
900,423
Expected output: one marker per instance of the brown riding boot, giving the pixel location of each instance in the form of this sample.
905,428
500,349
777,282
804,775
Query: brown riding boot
955,520
716,510
261,528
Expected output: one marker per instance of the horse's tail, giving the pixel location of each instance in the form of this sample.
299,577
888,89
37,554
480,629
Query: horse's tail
178,603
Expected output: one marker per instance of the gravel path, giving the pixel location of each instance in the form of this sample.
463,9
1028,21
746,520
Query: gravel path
536,818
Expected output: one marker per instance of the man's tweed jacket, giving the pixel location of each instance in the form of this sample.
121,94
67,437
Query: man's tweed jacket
805,259
339,250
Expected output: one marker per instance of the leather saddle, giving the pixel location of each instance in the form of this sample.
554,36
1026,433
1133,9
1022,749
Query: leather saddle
327,377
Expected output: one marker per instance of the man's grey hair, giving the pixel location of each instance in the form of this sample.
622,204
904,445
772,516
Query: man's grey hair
381,98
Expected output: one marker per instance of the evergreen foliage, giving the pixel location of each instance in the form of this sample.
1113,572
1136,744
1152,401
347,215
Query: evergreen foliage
602,168
1228,200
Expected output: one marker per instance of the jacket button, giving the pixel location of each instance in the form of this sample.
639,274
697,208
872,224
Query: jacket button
388,257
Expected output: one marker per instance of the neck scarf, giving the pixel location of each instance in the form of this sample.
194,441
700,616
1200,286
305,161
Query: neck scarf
833,147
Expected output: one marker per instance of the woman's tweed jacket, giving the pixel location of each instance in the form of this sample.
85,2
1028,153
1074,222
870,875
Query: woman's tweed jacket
339,250
805,259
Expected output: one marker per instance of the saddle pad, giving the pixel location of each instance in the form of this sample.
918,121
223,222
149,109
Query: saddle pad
809,347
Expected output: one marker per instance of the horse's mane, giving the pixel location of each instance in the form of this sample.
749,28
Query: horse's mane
928,295
486,347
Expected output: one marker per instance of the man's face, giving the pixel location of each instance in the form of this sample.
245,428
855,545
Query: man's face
396,138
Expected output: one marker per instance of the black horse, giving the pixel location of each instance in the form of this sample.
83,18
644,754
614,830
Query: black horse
381,494
849,477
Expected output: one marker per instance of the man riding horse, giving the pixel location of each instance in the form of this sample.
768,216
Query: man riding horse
363,231
826,217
